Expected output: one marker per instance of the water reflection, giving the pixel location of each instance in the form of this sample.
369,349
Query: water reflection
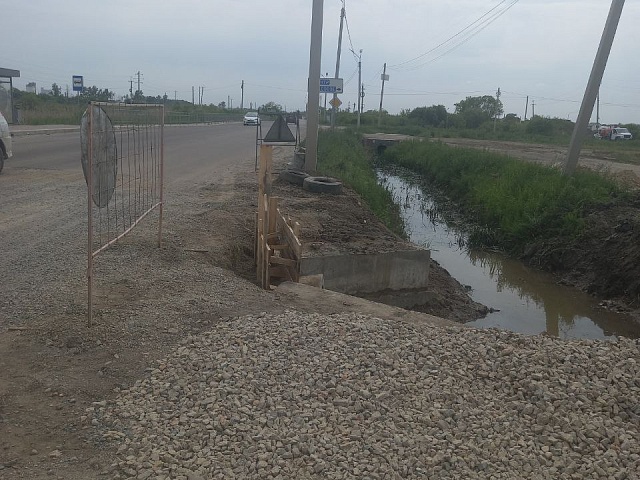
529,301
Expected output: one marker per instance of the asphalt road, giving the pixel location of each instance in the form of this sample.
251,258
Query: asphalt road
192,153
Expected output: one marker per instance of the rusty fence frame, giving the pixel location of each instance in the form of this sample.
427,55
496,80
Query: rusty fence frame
138,180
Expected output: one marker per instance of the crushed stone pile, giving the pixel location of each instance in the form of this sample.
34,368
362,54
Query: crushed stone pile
349,396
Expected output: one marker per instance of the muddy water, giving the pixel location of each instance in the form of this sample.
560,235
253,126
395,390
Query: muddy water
527,301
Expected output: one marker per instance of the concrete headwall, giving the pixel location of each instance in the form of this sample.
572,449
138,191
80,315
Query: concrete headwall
354,274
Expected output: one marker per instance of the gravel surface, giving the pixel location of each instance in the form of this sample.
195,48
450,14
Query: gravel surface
350,396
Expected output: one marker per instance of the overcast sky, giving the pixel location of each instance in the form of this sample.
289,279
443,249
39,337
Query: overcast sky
435,52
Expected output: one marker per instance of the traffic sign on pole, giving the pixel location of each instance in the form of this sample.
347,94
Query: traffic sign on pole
78,83
331,85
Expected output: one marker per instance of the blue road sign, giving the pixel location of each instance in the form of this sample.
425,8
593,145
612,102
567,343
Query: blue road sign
331,85
78,83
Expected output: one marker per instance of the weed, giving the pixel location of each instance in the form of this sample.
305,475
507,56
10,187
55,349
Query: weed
512,202
341,155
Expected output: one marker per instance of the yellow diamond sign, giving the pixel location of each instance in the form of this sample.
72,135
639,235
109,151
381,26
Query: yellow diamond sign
335,102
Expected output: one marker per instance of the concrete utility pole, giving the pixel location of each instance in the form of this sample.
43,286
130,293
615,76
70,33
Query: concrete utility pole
139,82
334,109
383,77
597,71
359,85
495,119
193,95
315,54
598,109
242,95
526,107
533,108
325,100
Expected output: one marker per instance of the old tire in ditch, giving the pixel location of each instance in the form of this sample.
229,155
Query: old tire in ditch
322,185
294,176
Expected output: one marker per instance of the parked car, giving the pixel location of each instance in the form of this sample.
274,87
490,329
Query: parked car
5,141
251,118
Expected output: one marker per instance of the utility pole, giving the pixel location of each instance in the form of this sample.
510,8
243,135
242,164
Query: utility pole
139,82
193,95
334,109
533,108
383,77
360,92
131,86
595,78
597,109
242,95
495,119
315,55
526,107
325,100
175,95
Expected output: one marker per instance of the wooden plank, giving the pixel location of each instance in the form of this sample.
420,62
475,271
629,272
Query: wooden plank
280,272
289,262
259,255
255,241
272,215
292,240
266,275
266,161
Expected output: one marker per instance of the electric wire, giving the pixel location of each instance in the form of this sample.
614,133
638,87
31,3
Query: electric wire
467,34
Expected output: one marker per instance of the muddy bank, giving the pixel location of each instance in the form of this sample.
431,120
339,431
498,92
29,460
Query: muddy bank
604,260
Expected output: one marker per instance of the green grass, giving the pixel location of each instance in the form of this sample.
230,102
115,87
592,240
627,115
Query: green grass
512,202
341,155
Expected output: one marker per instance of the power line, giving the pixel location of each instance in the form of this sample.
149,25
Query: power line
346,21
469,32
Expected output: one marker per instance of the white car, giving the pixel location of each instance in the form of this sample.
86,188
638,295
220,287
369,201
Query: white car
251,118
5,141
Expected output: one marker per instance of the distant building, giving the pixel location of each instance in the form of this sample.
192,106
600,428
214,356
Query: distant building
31,87
46,91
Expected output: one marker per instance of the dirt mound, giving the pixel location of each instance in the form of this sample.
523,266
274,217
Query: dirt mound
605,259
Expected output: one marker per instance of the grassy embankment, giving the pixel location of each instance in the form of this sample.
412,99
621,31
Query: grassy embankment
512,203
341,155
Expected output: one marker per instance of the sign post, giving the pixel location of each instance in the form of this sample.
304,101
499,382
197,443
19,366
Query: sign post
78,83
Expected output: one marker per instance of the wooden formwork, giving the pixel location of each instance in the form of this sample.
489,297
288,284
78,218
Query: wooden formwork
277,247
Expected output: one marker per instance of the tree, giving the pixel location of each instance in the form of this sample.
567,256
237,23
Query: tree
55,89
434,116
477,110
271,107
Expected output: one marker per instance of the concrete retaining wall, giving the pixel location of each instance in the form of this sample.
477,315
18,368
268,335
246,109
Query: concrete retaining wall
357,274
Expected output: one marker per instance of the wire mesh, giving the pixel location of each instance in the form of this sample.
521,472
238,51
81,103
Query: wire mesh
122,159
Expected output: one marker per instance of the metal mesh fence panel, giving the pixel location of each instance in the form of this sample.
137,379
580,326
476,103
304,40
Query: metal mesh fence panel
122,159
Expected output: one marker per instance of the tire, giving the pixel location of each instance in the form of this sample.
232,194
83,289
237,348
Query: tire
294,176
322,185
